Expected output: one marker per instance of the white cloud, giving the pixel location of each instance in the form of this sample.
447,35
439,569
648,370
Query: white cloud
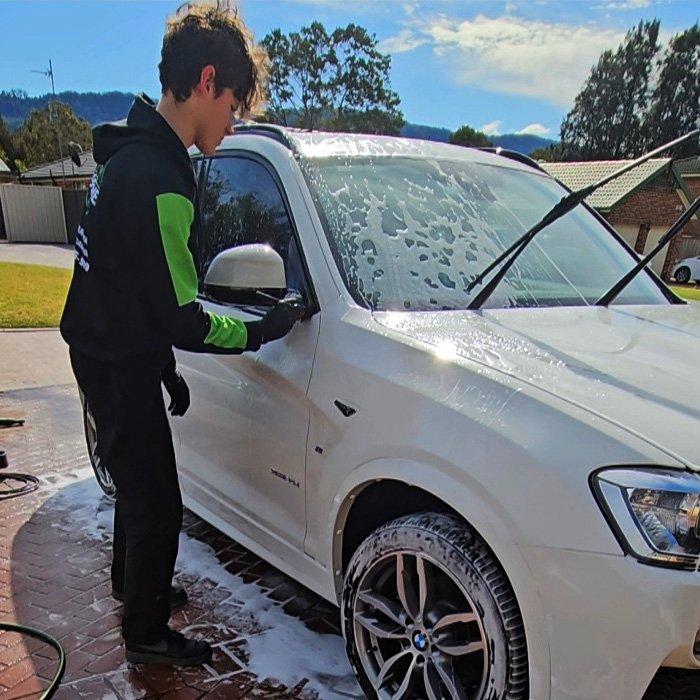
534,130
492,128
516,56
404,41
628,5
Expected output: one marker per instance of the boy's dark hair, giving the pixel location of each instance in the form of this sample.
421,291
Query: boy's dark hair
206,34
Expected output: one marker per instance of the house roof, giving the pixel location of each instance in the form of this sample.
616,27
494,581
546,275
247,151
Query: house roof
60,168
689,166
580,174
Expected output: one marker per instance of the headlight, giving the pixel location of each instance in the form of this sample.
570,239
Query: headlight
655,513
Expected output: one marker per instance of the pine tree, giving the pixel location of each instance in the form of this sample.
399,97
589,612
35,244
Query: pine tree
675,104
606,121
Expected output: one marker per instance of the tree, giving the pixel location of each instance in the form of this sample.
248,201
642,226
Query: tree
338,81
300,75
8,148
37,140
675,102
549,154
6,145
606,121
466,136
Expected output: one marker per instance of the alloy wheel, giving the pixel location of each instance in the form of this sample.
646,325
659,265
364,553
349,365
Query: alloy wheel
418,631
682,275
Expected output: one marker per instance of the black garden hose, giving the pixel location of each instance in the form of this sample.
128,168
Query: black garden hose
13,484
23,629
26,483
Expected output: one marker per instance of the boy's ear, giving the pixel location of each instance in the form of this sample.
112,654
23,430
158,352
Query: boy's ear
206,84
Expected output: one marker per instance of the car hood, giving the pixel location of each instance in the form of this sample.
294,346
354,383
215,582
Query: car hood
637,367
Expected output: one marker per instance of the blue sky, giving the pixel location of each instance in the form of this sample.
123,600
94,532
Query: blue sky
502,67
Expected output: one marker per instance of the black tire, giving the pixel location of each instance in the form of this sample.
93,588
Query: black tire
101,474
448,626
674,684
682,275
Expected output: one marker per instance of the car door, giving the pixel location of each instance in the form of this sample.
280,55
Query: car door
244,439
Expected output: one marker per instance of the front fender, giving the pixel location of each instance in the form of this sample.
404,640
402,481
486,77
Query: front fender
480,510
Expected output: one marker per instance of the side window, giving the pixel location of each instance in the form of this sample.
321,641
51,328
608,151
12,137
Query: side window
242,204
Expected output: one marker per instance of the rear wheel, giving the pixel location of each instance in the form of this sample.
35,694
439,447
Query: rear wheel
428,613
101,473
682,274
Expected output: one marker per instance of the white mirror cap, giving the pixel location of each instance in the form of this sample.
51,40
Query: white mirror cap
254,266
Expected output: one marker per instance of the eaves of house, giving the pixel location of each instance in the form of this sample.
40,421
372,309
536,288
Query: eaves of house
689,167
577,175
58,171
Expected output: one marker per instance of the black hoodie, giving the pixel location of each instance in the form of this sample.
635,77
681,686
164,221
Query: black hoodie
134,290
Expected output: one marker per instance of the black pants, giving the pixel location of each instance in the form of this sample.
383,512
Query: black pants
135,443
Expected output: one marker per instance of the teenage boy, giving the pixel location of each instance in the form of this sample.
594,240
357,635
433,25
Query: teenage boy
133,298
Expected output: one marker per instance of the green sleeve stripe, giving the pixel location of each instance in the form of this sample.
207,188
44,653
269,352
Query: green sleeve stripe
175,217
226,332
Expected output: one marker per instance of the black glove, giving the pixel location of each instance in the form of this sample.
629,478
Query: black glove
177,387
280,319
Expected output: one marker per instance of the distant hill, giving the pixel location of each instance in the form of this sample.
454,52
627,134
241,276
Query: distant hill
524,143
95,108
429,133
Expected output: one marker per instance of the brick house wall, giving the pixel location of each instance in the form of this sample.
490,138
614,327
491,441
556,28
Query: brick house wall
655,204
693,184
650,211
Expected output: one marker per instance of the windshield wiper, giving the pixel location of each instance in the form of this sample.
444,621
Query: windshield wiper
562,207
675,229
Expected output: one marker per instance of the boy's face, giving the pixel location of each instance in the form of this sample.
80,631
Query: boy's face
216,119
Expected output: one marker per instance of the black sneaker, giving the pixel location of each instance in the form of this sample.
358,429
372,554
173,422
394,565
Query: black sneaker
173,650
178,597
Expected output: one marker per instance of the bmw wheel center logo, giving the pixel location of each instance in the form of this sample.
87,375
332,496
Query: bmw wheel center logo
420,641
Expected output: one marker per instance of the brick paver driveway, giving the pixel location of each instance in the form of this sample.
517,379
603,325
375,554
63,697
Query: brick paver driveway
54,558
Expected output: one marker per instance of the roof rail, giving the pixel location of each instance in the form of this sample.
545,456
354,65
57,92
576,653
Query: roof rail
272,131
513,155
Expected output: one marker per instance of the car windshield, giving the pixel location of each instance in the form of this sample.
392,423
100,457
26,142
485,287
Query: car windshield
410,233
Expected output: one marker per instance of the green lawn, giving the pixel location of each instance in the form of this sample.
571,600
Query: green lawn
32,296
691,293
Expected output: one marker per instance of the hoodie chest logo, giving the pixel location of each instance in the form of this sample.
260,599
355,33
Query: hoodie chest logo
93,192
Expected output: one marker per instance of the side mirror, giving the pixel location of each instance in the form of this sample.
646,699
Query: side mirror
248,274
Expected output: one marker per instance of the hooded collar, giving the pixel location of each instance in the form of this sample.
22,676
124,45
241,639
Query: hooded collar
143,125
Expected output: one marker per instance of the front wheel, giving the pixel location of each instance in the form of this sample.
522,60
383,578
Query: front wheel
682,274
101,474
428,613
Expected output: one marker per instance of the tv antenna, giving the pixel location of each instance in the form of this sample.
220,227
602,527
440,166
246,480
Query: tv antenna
49,74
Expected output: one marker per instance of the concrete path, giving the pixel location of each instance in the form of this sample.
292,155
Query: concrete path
33,358
55,255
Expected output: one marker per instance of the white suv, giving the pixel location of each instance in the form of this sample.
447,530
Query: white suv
503,497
